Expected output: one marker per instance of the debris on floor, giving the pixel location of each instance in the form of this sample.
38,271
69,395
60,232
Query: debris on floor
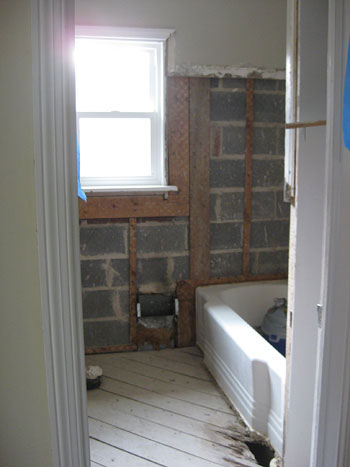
93,375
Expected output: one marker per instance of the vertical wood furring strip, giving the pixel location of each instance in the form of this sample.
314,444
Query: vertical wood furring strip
199,91
249,134
132,278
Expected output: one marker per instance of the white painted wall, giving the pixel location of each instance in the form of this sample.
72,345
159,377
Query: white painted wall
24,428
306,233
220,32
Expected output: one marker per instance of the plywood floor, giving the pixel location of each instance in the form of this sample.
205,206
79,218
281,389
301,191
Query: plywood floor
161,408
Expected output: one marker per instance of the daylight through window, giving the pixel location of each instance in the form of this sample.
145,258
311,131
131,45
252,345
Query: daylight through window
120,110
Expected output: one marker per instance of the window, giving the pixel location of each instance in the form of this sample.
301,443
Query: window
120,108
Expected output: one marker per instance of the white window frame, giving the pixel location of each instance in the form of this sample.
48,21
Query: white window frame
156,39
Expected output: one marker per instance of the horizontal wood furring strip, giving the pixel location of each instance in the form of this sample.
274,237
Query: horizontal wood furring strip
186,289
292,126
110,349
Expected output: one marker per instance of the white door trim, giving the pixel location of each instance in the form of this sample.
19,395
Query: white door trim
58,235
332,394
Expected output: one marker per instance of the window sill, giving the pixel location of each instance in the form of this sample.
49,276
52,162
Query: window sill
125,190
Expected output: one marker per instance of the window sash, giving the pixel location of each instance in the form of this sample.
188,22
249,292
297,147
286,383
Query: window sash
155,39
157,159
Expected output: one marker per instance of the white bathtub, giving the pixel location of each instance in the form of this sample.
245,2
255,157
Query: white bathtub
247,368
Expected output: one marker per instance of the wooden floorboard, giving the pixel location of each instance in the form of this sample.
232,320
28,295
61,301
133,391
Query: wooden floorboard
167,389
161,408
108,456
143,447
165,375
158,361
187,409
156,415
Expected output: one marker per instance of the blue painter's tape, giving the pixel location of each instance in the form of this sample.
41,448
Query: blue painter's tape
81,194
346,108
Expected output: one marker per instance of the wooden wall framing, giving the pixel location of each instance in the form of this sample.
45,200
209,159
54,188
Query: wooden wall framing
199,178
188,140
156,205
249,136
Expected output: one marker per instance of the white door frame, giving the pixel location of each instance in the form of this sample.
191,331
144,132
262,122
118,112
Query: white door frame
332,392
58,235
58,245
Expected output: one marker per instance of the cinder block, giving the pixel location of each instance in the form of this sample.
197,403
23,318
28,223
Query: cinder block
93,273
213,206
181,269
269,108
106,333
269,234
215,141
265,84
265,141
226,173
119,270
270,262
156,304
225,236
225,265
281,84
283,209
152,270
232,206
227,106
214,82
280,145
99,303
102,240
263,205
233,141
233,83
123,312
268,173
161,238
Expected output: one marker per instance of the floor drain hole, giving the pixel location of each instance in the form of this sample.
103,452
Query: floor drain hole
263,453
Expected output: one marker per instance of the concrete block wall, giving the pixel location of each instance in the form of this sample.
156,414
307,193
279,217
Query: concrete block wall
162,260
270,215
163,244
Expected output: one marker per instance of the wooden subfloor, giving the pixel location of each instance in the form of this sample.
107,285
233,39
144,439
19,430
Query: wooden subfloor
161,408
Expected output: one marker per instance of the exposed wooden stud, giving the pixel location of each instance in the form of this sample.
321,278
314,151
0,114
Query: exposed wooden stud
249,134
110,349
132,278
199,178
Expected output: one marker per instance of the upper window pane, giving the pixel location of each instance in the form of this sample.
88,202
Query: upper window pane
114,75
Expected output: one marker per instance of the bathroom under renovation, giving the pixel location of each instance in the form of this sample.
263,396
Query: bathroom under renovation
176,205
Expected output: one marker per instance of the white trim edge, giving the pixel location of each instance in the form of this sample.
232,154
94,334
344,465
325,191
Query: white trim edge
332,392
58,236
136,34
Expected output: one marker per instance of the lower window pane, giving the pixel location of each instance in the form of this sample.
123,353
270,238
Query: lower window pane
115,147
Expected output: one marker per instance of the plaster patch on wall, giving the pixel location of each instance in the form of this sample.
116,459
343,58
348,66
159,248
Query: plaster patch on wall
229,71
